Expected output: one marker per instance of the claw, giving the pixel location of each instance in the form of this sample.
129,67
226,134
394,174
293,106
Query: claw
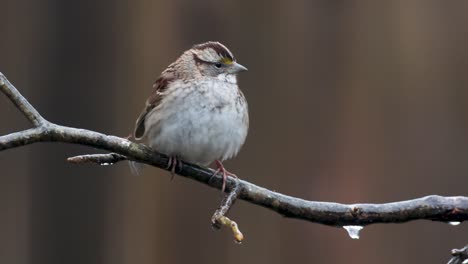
172,164
224,172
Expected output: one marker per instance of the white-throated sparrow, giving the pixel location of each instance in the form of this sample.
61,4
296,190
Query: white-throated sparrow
196,112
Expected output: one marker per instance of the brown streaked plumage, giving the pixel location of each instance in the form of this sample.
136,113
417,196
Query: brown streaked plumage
159,86
217,47
196,111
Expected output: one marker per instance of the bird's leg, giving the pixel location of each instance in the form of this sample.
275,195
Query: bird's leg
172,164
224,172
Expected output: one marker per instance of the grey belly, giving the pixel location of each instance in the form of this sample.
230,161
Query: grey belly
199,135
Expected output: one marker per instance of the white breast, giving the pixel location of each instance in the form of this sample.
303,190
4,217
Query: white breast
199,124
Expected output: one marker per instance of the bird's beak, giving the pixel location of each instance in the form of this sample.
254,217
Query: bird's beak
236,68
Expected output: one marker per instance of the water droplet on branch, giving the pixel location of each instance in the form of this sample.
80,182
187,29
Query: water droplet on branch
353,231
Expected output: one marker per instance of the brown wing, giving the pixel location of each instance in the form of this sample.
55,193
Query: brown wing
159,86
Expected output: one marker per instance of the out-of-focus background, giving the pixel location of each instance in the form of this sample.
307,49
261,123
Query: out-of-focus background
348,102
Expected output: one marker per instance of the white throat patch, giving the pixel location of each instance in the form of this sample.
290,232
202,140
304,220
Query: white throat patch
230,78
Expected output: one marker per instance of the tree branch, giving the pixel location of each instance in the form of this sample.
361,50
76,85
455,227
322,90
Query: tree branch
20,102
435,208
219,218
101,159
459,256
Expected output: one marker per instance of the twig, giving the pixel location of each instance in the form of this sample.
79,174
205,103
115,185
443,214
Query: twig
436,208
101,159
460,256
219,218
19,101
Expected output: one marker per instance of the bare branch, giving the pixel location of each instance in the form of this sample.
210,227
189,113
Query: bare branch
21,103
101,159
459,256
22,138
219,218
436,208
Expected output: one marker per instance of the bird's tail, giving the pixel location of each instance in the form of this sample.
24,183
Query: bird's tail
135,167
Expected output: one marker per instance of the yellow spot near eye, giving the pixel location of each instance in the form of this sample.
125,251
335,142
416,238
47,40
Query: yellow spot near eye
226,60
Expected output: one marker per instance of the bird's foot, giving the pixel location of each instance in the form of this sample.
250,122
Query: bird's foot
174,162
224,172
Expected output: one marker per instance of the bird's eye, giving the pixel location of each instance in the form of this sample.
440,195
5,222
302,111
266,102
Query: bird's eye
218,65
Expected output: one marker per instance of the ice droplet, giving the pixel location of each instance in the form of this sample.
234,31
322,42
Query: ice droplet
353,230
465,261
106,164
454,223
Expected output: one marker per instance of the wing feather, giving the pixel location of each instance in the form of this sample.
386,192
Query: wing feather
159,87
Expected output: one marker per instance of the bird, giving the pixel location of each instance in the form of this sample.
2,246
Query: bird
196,111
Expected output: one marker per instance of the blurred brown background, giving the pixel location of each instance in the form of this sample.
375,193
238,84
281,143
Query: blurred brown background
349,102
